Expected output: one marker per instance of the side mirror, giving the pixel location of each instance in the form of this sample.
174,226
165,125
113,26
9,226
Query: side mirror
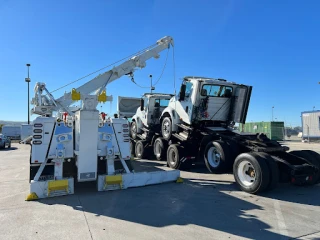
182,92
142,104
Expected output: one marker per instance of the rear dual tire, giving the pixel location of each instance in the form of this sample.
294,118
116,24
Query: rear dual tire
256,172
141,150
159,148
217,157
176,159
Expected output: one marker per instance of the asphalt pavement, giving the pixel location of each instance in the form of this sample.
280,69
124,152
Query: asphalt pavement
204,206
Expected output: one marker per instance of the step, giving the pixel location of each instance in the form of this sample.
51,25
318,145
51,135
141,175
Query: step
180,137
145,129
142,136
185,127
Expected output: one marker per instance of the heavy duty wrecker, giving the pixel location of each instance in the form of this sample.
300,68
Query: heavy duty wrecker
198,125
80,144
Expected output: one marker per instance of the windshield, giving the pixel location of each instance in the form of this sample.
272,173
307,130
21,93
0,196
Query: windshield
216,91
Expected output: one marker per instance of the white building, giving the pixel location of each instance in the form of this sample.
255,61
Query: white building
311,125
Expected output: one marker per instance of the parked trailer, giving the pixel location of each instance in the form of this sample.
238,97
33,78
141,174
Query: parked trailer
12,131
198,125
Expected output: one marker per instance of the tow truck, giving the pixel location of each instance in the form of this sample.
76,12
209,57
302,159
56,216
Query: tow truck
82,144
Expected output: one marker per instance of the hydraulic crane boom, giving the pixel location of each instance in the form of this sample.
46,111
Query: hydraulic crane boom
99,83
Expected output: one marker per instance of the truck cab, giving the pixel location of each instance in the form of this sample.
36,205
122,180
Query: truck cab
206,101
146,117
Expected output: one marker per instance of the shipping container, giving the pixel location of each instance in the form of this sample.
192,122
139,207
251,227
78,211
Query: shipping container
311,125
273,130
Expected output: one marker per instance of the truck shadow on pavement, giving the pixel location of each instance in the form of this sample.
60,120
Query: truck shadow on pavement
8,149
202,202
284,191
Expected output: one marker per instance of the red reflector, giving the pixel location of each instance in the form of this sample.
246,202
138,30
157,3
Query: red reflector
310,178
35,160
293,180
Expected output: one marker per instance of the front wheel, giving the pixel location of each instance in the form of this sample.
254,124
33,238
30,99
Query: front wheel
133,130
166,128
251,173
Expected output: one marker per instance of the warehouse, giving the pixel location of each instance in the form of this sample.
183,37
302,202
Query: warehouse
273,130
311,125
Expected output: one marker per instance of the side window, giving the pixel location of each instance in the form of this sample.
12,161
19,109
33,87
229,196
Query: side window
226,92
188,89
216,91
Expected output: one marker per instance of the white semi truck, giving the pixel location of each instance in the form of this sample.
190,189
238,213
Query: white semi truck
80,144
198,124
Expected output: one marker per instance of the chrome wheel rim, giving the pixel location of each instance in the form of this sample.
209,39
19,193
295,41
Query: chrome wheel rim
246,173
214,157
165,128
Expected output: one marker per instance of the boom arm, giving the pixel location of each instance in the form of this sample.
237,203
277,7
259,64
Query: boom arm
45,105
99,83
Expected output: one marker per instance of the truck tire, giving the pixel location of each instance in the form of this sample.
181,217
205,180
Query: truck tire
273,169
174,157
217,157
166,128
313,158
132,148
133,130
140,149
159,148
251,173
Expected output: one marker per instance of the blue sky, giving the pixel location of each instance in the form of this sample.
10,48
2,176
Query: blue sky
271,45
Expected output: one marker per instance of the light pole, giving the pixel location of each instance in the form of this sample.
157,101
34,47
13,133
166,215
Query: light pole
272,112
28,81
314,108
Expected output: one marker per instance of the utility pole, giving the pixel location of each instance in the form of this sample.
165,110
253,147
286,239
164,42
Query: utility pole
28,81
272,113
151,87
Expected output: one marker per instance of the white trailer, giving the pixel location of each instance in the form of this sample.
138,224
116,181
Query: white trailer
12,131
81,144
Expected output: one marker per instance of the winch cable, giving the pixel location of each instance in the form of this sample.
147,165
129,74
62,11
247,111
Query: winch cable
135,54
164,66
